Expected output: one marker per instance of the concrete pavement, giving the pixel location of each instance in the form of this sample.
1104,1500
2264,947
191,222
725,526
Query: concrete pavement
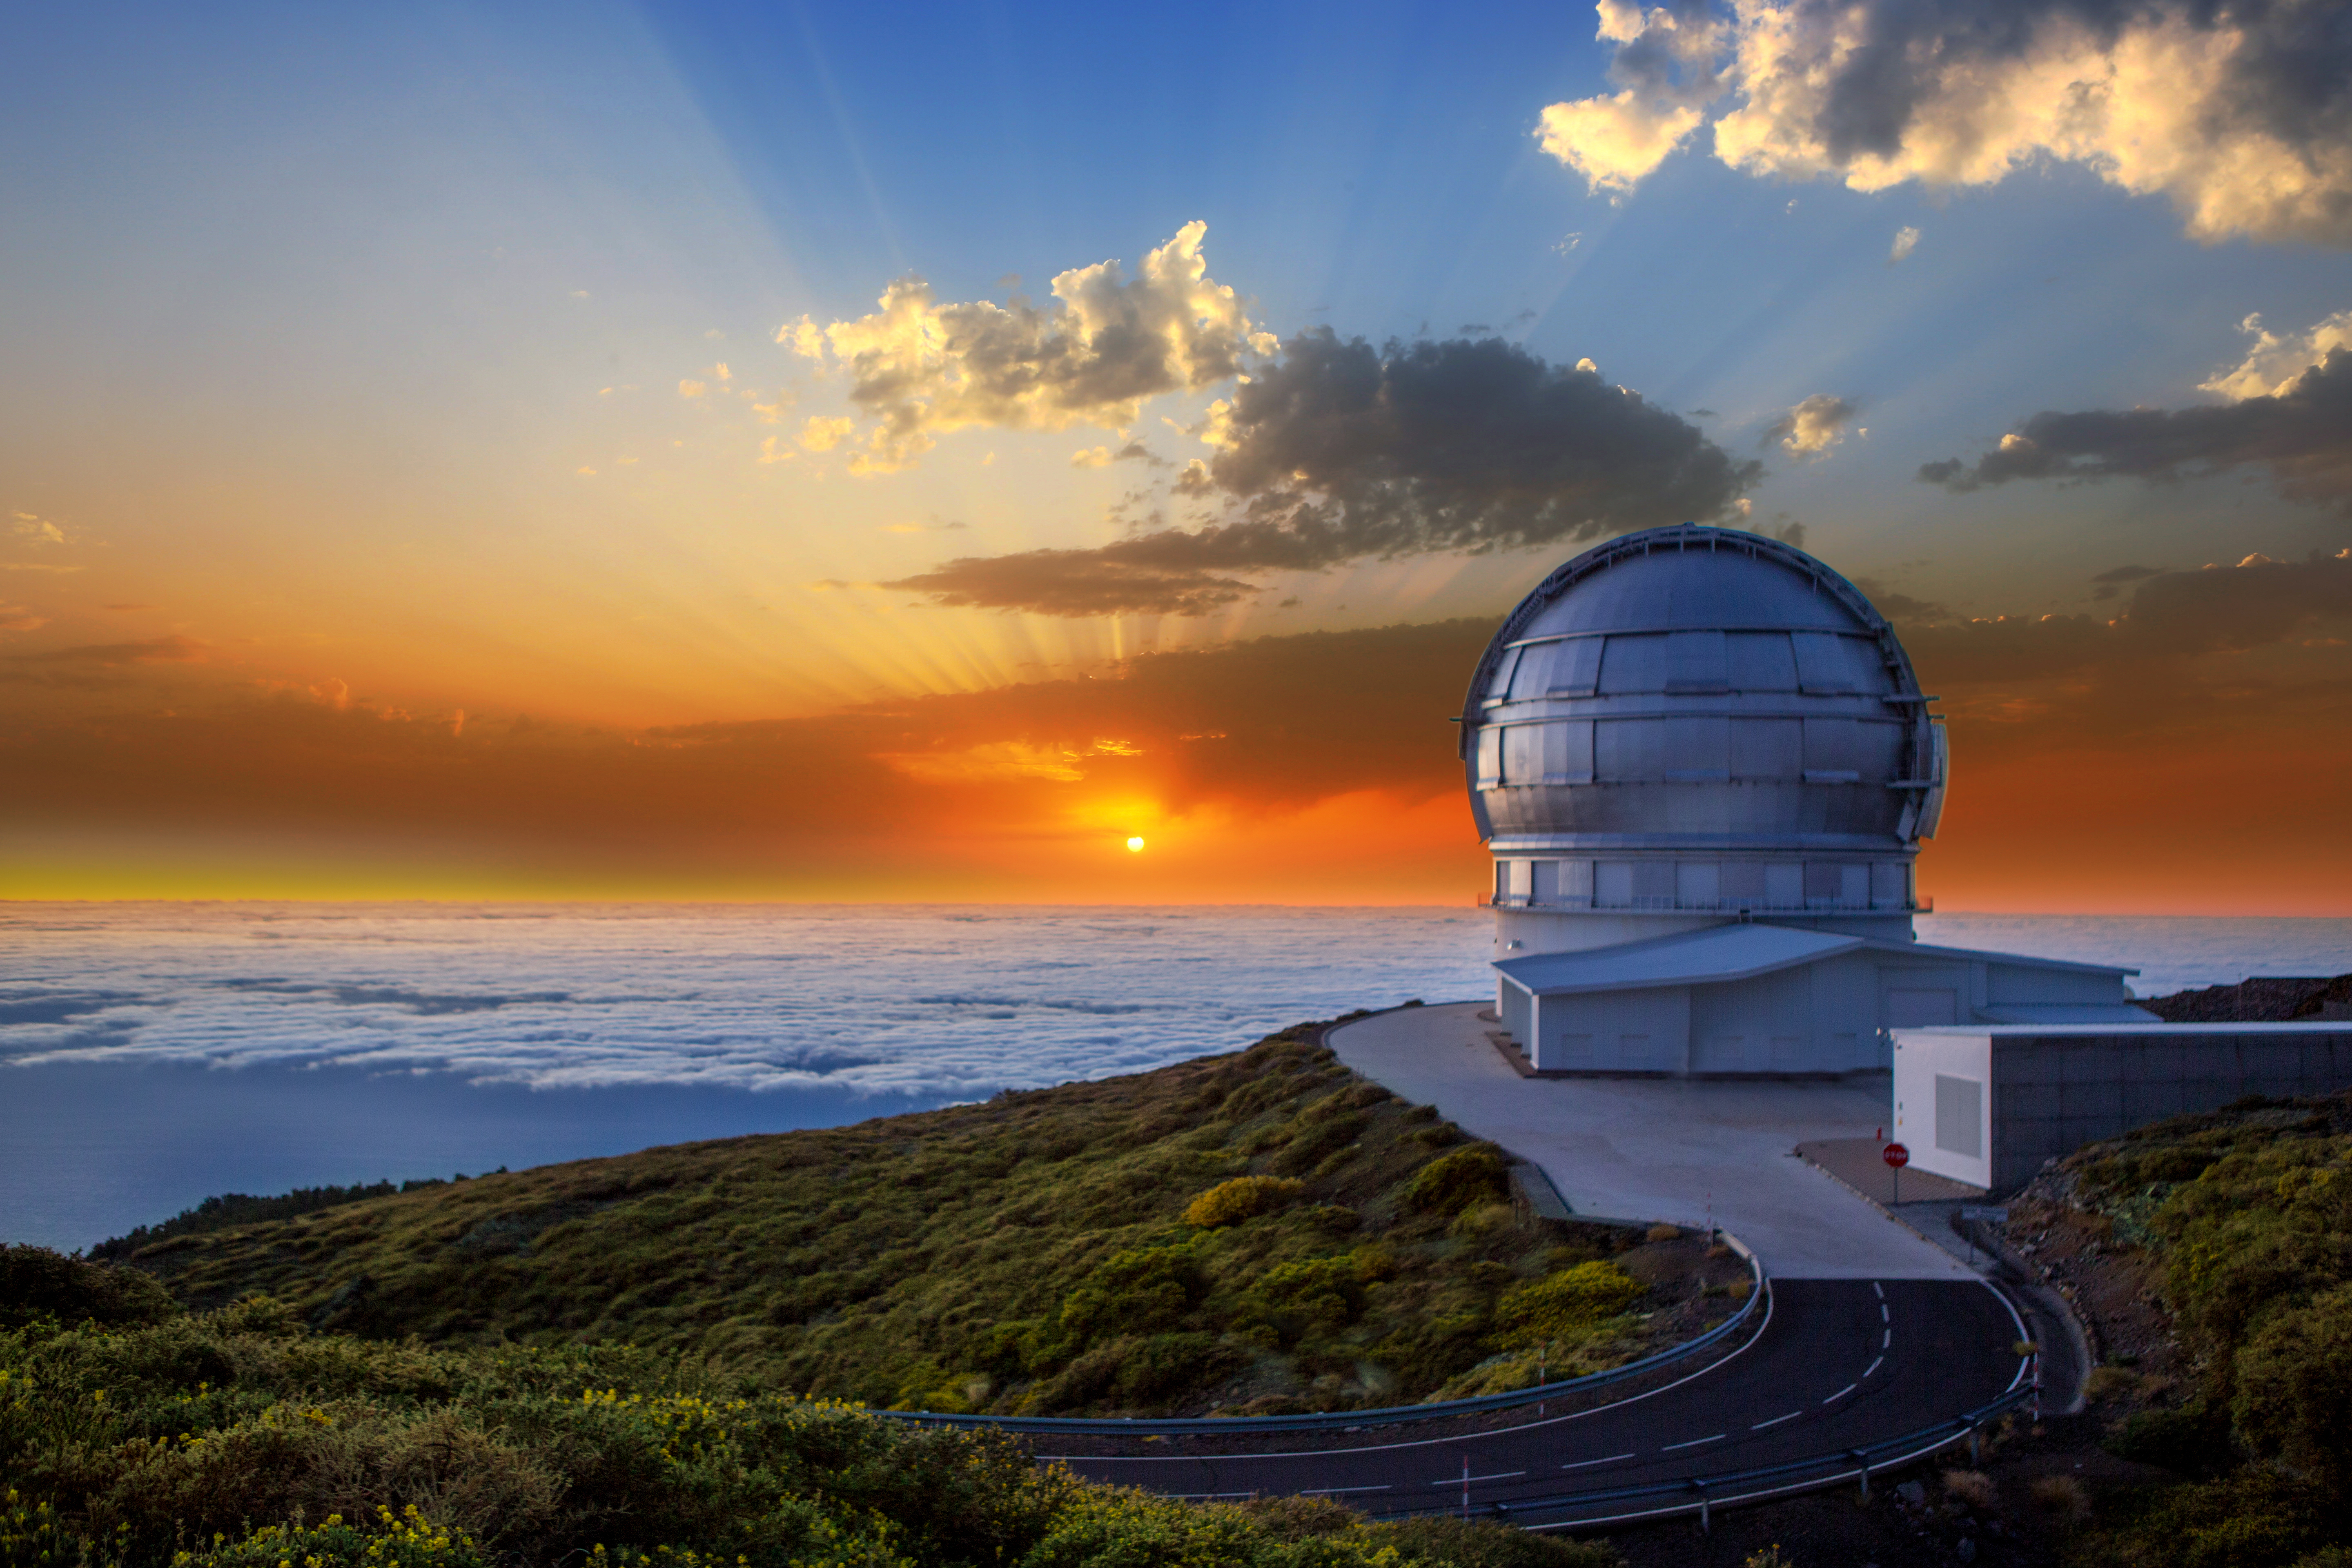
1660,1149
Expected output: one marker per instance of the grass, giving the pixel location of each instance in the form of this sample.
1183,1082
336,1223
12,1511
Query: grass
1251,1232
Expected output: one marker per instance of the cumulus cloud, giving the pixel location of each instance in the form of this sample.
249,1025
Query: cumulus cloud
1813,427
823,434
1338,451
2273,364
919,368
2240,114
1906,240
1091,457
2302,434
1668,69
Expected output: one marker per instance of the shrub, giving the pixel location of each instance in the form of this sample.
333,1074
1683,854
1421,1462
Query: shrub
2295,1386
1973,1488
2192,1439
1566,1305
406,1540
2063,1498
38,1283
1458,1181
1243,1197
2109,1383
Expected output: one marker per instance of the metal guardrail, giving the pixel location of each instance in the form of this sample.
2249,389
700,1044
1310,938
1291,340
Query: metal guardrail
1387,1415
1698,1494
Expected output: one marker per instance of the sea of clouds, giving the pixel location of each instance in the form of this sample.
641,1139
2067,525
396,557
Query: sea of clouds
933,1000
152,1054
936,1001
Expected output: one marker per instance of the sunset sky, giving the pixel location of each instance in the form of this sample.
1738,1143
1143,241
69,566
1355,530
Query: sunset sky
828,451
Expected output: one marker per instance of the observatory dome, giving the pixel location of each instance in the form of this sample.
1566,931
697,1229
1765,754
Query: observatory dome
1701,723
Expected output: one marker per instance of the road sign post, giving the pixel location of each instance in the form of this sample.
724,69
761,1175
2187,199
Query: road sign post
1897,1156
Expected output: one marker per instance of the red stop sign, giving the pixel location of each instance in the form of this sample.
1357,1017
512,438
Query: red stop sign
1896,1154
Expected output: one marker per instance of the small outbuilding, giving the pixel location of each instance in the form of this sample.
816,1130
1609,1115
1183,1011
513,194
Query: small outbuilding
1988,1106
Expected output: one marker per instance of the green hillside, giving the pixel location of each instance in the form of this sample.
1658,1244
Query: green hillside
146,1439
2214,1255
1255,1232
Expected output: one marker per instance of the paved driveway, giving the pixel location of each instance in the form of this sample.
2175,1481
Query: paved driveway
1660,1148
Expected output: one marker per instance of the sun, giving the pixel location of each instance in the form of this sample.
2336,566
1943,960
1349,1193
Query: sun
1134,846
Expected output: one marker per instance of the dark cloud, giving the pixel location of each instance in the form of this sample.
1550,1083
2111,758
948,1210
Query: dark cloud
2171,617
1266,725
2302,435
1158,573
1902,608
2111,583
1339,452
1136,452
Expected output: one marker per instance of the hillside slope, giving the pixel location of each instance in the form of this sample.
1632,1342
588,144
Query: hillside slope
1030,1255
2212,1257
145,1438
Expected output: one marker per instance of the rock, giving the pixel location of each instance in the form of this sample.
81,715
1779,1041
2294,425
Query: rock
1913,1493
1967,1550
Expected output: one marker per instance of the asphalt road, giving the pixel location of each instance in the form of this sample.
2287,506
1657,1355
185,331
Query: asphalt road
1840,1364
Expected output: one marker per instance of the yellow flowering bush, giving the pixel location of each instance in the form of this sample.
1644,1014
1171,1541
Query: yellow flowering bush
406,1540
1243,1197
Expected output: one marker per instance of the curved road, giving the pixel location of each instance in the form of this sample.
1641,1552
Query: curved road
1874,1333
1839,1364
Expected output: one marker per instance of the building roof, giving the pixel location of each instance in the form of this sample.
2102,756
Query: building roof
1706,957
2047,1012
1981,955
1728,953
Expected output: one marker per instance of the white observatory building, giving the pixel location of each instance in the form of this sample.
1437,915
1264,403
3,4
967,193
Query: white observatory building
1705,768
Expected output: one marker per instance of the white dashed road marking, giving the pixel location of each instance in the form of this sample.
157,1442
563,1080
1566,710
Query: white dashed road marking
1777,1419
1588,1464
1841,1393
1466,1480
1874,1366
1691,1444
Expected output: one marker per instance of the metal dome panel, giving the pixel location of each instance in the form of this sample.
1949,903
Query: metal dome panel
1699,689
